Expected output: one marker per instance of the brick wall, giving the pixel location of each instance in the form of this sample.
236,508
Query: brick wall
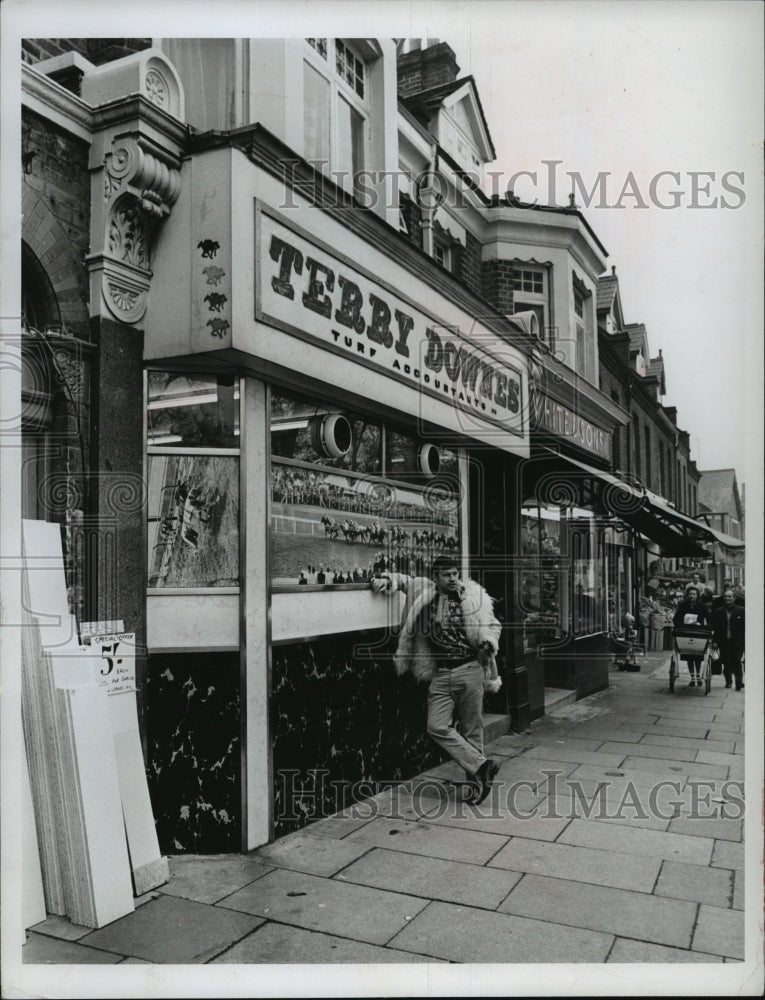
55,204
56,214
467,263
97,50
656,444
426,68
614,388
497,284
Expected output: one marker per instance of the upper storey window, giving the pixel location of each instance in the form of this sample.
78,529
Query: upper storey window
335,109
531,294
584,327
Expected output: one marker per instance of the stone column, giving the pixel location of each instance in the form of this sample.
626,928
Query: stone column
135,180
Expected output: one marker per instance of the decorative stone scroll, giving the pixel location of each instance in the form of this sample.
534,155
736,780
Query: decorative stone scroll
140,188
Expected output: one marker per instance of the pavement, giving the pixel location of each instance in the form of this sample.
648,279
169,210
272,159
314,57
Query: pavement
613,835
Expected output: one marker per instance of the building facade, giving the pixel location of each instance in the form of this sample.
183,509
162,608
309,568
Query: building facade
721,506
278,340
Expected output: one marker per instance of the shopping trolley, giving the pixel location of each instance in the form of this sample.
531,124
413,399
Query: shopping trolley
696,641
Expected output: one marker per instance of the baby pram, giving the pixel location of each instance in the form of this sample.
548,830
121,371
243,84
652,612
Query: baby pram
691,641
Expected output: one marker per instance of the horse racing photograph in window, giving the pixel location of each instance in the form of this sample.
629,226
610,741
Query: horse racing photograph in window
345,506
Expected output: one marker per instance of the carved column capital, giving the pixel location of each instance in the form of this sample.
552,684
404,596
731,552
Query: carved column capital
140,183
132,169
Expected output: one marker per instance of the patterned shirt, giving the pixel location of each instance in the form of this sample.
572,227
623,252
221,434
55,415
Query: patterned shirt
445,628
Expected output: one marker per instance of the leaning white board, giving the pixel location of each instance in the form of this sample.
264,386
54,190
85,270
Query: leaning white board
32,898
99,868
114,657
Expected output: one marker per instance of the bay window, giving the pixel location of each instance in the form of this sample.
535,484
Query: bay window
531,294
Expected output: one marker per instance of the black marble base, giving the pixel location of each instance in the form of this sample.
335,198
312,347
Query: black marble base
342,724
194,752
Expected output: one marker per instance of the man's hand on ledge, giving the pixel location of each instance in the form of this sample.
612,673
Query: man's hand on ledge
381,583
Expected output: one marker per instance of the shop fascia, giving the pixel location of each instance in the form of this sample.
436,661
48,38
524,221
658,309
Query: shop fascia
344,302
463,373
564,413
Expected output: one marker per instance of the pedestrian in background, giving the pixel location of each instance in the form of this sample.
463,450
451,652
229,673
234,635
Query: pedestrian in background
729,630
707,597
691,611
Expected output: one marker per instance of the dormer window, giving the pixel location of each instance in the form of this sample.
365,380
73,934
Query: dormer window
442,253
335,110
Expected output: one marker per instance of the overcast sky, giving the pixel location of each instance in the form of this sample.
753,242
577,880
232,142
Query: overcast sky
635,89
631,88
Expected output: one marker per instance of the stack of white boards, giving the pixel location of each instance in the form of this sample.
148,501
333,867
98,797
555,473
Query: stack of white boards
89,792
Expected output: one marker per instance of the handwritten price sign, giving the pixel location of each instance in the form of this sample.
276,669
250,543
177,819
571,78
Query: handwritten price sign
116,667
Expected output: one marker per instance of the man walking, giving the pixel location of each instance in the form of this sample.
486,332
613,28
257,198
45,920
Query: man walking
729,632
449,638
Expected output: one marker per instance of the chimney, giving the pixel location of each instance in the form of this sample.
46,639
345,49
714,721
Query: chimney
423,68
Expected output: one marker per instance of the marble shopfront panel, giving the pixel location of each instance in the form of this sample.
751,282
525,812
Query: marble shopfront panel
343,724
194,751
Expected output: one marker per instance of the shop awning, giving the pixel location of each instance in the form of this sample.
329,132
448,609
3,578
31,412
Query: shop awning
646,512
727,541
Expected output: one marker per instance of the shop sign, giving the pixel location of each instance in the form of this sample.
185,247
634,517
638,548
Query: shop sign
562,422
548,416
313,293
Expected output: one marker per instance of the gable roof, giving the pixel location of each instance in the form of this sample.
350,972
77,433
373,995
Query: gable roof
425,104
655,370
718,491
607,288
638,338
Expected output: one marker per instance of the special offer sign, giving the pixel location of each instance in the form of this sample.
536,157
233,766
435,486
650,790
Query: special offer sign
115,654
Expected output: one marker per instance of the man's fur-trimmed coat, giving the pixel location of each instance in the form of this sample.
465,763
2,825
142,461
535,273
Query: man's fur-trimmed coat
414,652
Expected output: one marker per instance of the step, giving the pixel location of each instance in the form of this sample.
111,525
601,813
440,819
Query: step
495,726
557,698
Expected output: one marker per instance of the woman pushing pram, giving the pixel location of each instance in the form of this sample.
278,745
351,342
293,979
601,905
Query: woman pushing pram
692,614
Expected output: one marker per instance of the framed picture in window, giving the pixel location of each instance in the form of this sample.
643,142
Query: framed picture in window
193,521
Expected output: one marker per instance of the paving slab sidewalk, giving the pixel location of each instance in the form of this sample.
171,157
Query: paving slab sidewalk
543,871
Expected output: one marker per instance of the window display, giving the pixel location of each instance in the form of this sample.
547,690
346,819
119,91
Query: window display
190,411
192,425
193,521
349,498
540,575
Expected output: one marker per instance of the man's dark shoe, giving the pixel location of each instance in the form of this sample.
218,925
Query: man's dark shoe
486,774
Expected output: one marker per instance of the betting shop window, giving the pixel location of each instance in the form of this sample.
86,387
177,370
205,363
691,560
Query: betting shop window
408,458
540,574
335,108
588,573
310,432
531,294
351,497
190,411
192,436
